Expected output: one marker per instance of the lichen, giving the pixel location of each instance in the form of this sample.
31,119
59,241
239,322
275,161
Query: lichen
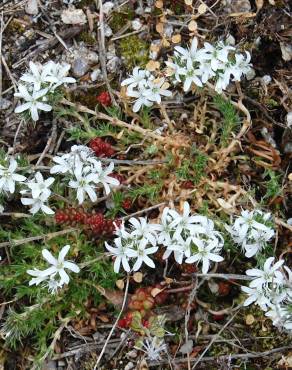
134,51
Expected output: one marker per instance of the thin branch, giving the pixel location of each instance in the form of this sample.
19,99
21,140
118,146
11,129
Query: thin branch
36,238
115,324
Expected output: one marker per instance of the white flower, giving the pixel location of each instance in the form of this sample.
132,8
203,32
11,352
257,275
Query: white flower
142,99
153,347
59,74
84,184
121,253
251,234
181,248
205,254
269,274
8,177
222,81
241,67
176,70
206,71
141,253
39,75
164,230
32,101
37,204
191,76
138,78
217,55
141,228
260,238
40,186
192,54
102,175
281,317
184,221
39,276
63,165
156,90
56,270
256,296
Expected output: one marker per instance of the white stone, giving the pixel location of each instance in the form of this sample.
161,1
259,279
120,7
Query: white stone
289,119
107,7
266,79
73,16
31,7
286,50
136,24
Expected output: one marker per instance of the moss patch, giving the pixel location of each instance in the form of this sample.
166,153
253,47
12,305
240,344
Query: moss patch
134,51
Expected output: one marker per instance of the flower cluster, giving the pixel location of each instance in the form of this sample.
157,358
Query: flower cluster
251,231
219,63
37,194
54,276
271,290
190,237
145,88
38,84
84,172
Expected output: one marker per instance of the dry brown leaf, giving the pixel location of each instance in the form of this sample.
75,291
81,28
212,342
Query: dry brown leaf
152,65
168,280
159,27
103,318
249,320
156,291
202,9
120,284
259,4
138,277
159,4
114,296
176,39
192,26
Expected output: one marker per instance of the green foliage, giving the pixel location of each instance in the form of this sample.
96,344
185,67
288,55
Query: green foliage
194,168
148,191
117,198
104,129
145,115
272,184
230,121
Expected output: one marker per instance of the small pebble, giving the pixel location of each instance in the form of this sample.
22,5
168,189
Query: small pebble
136,24
266,79
80,67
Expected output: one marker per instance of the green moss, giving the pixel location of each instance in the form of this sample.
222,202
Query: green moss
15,27
87,38
134,52
120,19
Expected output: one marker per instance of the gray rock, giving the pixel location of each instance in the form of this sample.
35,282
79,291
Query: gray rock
80,67
4,104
